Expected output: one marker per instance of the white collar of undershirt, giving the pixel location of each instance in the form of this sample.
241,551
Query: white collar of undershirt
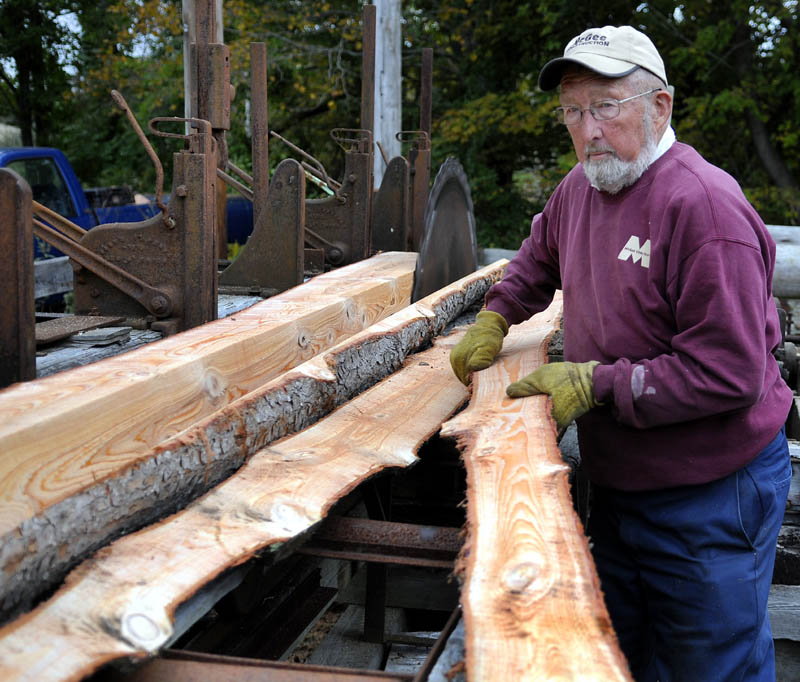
667,140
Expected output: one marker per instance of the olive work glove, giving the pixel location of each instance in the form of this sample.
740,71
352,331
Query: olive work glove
480,345
569,384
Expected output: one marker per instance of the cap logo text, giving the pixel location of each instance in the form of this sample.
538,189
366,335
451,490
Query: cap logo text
591,38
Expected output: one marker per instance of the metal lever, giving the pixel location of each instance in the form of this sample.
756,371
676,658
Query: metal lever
318,169
122,104
352,139
73,231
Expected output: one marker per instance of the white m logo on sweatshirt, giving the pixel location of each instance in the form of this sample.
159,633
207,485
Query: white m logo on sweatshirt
636,251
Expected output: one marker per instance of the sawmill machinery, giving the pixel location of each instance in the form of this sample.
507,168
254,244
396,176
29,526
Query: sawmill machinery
164,273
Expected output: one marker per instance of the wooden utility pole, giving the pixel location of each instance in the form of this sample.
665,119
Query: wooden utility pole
189,37
388,74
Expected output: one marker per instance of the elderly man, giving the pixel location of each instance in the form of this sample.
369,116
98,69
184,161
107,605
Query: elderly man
669,328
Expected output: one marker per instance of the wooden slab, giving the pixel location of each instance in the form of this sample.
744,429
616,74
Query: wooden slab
345,647
60,328
55,517
63,356
52,276
533,608
82,427
122,601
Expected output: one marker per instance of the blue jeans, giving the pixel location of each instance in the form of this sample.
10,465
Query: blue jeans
686,572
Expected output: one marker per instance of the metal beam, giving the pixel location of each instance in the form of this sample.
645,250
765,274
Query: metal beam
188,666
17,317
385,542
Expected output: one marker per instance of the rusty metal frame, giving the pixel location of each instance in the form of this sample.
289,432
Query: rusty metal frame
385,542
355,221
419,159
272,260
160,272
409,540
390,208
190,666
211,94
17,316
438,647
119,100
156,301
340,224
377,496
420,156
381,543
260,128
70,229
398,217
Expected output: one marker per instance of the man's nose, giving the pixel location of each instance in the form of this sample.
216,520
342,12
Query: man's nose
590,127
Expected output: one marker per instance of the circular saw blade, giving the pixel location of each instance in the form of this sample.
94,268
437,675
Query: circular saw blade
448,249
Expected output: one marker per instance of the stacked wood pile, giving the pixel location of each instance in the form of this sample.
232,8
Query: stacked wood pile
193,425
93,452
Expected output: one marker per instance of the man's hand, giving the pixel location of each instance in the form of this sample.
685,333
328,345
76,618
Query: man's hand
569,384
480,345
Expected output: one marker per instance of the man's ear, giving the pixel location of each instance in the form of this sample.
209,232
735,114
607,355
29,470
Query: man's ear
663,108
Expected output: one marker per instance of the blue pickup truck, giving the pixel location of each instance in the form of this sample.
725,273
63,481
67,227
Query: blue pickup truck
55,185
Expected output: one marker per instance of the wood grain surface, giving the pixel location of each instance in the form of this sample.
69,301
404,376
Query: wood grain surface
533,608
122,601
59,432
37,552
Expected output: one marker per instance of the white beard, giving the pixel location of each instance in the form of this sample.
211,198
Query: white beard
613,174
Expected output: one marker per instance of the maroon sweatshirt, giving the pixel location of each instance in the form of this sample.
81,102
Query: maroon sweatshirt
668,285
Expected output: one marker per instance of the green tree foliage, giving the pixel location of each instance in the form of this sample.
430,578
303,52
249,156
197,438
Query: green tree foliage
734,67
34,46
314,73
135,47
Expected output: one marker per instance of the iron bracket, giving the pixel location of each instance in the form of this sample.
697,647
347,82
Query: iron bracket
17,316
176,254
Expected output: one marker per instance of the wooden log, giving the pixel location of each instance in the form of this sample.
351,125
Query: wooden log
533,608
65,433
104,496
122,602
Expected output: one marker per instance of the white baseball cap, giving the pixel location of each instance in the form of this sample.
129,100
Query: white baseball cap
612,51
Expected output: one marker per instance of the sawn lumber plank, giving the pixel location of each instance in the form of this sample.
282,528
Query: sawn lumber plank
79,425
121,602
66,433
533,608
36,554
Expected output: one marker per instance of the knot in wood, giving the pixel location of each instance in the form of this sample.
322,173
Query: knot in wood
143,632
214,386
520,577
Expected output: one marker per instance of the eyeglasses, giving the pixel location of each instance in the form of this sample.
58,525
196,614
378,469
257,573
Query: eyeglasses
604,110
